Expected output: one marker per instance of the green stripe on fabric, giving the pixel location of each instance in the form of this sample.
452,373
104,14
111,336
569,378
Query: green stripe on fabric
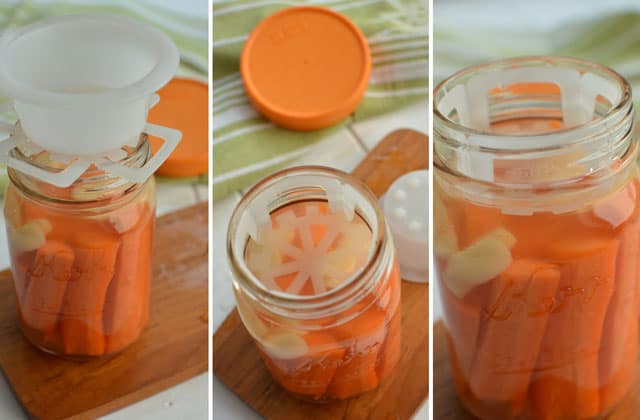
32,12
249,149
223,189
397,33
611,40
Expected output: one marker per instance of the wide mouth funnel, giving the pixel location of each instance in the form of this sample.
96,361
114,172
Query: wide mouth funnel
82,84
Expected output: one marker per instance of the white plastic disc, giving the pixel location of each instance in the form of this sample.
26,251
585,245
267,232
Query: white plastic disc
406,208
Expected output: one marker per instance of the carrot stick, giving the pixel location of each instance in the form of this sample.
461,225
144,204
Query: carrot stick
355,376
568,380
310,374
62,226
93,269
390,351
621,380
390,303
392,296
20,266
519,304
620,333
53,339
128,293
478,221
462,319
48,281
363,337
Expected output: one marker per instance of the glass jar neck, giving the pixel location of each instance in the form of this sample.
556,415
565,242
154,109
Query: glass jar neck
93,186
293,186
533,122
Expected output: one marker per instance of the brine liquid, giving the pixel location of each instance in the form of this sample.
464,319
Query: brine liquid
542,309
82,282
307,250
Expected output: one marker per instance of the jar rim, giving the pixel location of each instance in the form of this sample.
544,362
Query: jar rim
244,278
623,102
99,183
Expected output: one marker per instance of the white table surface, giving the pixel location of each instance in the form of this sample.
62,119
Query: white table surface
343,150
188,400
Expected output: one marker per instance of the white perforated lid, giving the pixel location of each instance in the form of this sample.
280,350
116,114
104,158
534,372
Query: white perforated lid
406,209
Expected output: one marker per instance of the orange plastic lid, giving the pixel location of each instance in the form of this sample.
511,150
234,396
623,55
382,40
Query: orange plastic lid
183,105
306,68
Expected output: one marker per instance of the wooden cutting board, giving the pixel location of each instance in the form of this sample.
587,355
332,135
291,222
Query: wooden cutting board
446,405
236,361
172,349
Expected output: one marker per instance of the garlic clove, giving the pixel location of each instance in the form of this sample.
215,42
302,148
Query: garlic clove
477,264
30,236
284,345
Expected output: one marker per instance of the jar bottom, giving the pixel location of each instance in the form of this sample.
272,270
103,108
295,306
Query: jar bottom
359,374
485,411
53,346
511,410
328,400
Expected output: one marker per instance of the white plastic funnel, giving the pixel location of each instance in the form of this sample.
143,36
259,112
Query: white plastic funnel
82,84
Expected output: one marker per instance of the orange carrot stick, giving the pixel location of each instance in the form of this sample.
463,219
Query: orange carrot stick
356,375
462,319
478,221
62,226
363,336
128,293
391,297
568,380
93,269
620,333
48,279
621,379
390,303
390,351
20,266
518,309
311,374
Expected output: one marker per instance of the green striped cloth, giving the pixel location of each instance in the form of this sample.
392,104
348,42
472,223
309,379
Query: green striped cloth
247,147
189,33
612,40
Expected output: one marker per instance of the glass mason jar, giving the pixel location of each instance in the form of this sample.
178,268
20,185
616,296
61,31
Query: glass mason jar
80,255
319,289
537,234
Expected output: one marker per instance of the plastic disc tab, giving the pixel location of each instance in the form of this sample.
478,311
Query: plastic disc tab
306,68
183,105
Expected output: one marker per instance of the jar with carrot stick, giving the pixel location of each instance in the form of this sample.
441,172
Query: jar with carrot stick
537,236
80,204
316,282
80,255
